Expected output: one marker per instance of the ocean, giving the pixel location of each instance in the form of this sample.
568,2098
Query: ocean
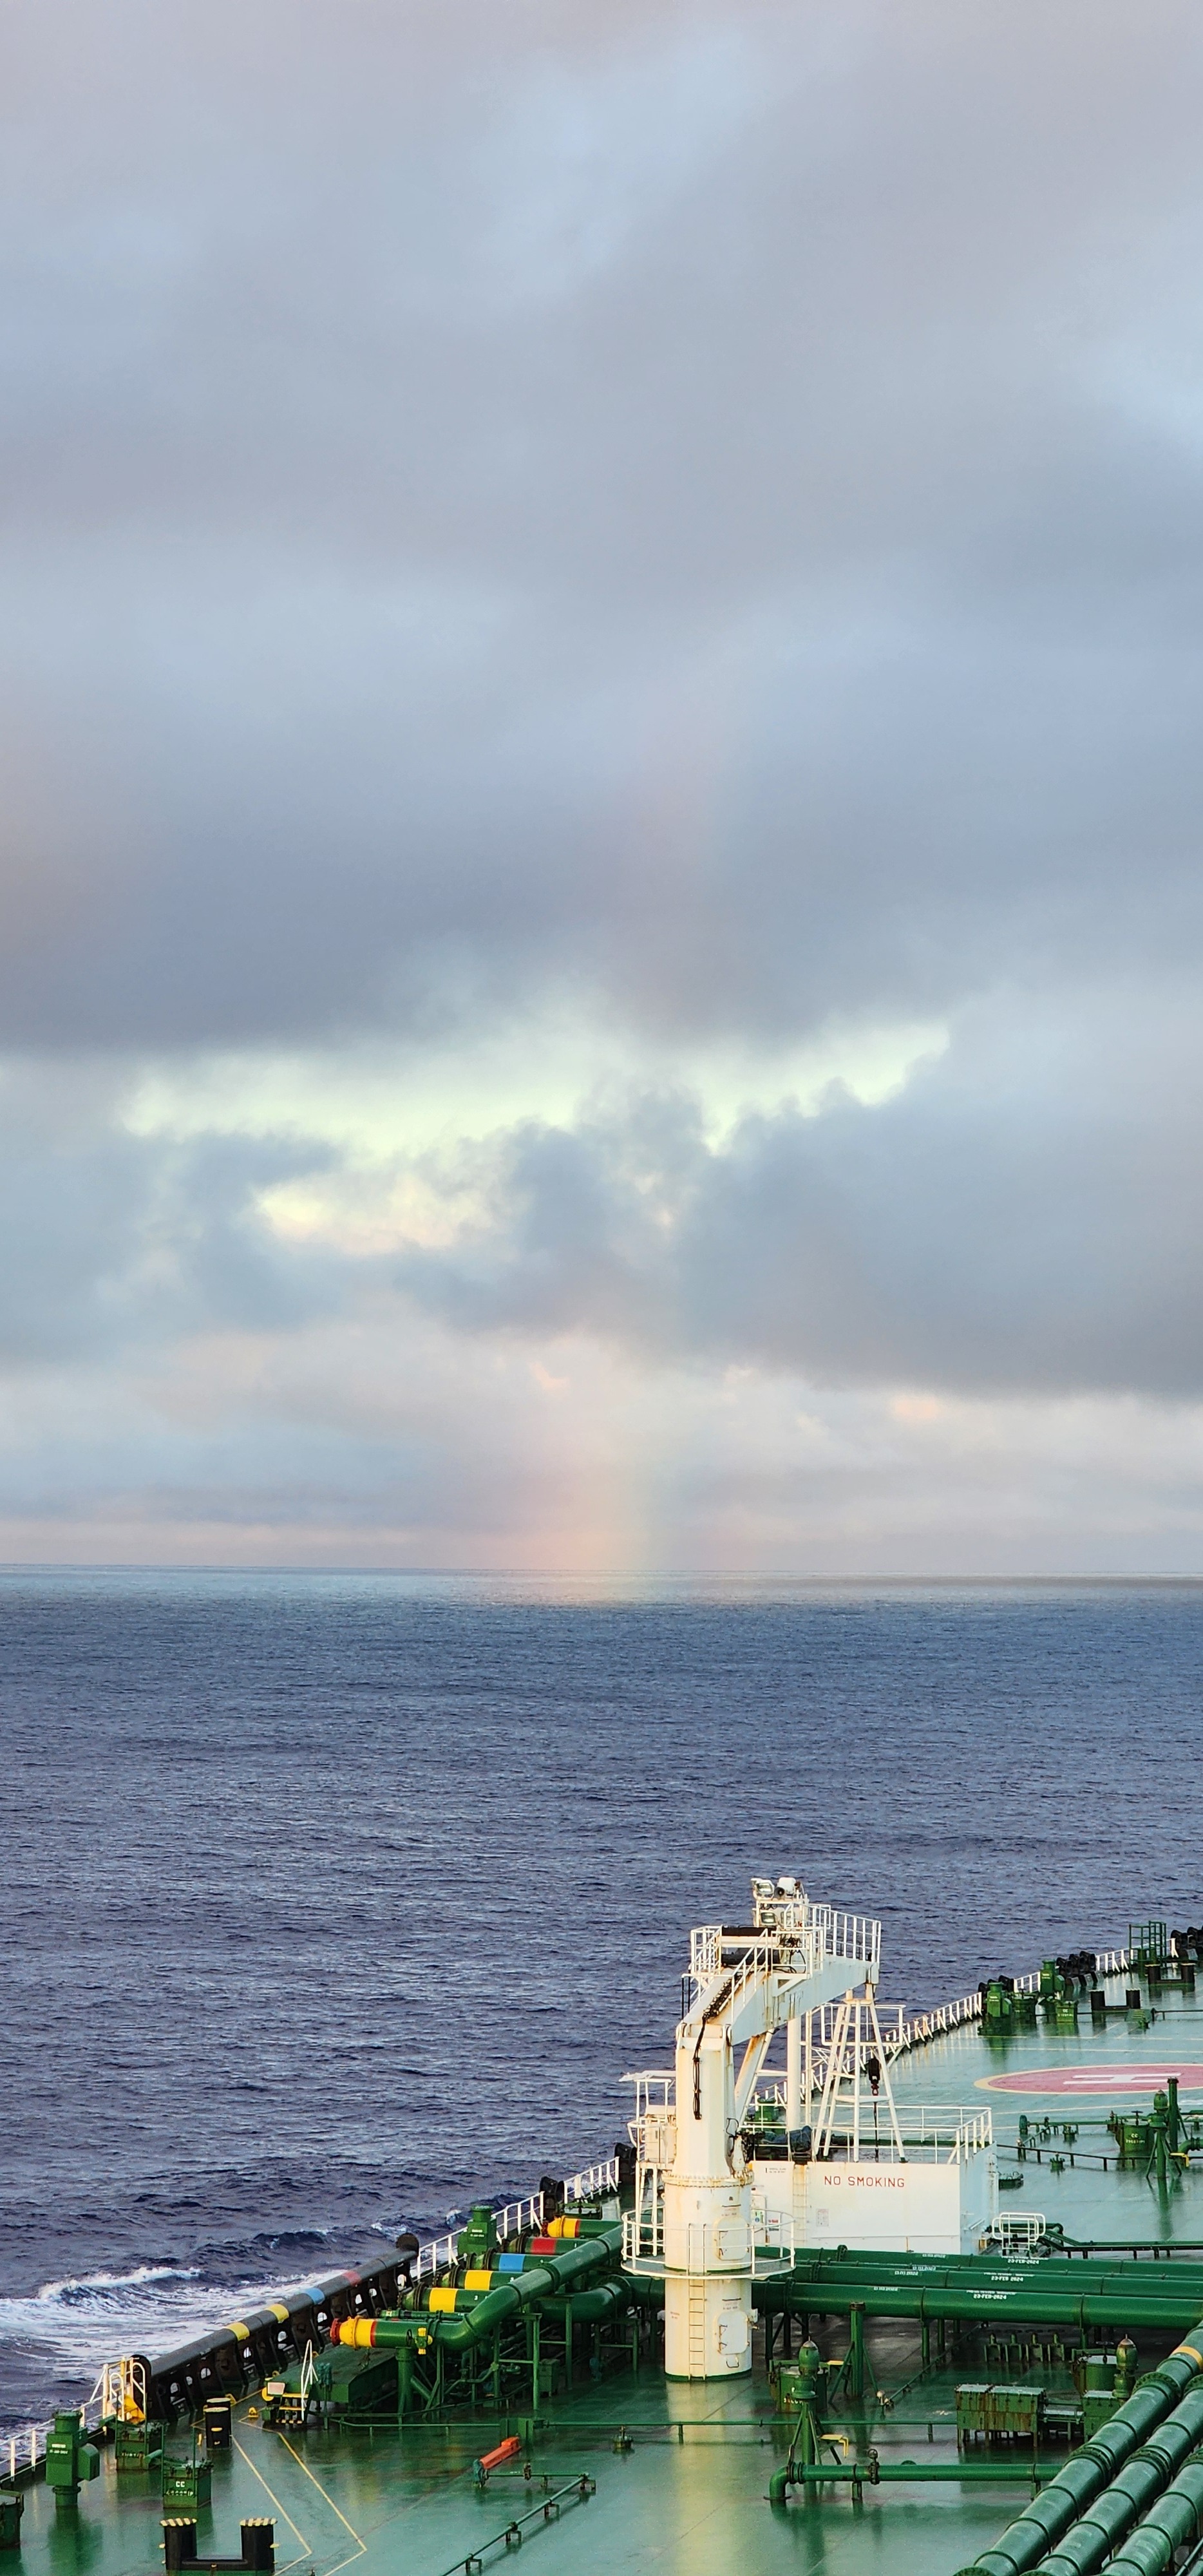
333,1901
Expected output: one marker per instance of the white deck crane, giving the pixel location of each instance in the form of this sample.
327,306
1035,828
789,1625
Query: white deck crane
747,1981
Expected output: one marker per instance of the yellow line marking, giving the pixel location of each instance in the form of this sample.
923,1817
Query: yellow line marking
258,2473
326,2499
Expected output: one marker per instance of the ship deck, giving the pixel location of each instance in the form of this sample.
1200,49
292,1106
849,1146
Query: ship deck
688,2497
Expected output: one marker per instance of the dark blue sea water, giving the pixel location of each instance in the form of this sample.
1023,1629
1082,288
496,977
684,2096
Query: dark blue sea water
330,1901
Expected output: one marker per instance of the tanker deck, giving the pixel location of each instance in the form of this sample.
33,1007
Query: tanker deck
860,2293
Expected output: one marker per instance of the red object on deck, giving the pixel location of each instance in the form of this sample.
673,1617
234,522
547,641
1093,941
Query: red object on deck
544,2245
504,2451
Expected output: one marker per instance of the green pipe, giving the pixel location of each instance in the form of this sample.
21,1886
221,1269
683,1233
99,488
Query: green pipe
555,2276
1045,2521
1181,2282
978,2267
784,2294
590,2306
1177,2519
908,2472
985,2266
646,2289
1148,2473
1031,2305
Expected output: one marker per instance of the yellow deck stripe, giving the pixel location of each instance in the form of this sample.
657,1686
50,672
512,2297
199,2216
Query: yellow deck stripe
280,2508
326,2499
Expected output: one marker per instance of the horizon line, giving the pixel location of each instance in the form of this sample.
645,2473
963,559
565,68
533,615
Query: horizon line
576,1574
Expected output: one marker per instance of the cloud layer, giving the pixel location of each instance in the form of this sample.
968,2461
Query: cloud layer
600,666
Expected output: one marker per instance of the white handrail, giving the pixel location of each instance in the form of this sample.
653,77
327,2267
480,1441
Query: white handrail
945,2017
510,2221
593,2181
27,2448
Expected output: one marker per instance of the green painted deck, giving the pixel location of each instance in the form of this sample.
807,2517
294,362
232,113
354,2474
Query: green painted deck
689,2498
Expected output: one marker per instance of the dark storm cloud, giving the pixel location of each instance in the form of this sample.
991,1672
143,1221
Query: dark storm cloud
701,506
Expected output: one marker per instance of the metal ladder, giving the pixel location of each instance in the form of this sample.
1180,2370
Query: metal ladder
696,2292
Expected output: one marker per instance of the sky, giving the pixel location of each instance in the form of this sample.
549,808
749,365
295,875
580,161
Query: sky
602,635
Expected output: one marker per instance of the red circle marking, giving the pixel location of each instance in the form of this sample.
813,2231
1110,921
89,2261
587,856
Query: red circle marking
1134,2077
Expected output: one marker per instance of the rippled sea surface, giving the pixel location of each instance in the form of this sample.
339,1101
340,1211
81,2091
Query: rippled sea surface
331,1901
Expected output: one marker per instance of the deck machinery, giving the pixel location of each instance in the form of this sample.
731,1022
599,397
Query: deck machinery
747,1984
788,2326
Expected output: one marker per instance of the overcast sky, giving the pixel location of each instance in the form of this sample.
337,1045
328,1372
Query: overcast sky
602,639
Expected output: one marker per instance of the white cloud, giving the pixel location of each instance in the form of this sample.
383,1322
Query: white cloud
378,1102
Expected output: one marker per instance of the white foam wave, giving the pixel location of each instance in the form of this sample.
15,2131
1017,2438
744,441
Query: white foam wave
87,2283
86,2321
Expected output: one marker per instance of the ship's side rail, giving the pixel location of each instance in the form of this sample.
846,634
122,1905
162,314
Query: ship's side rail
23,2452
901,2034
510,2220
593,2182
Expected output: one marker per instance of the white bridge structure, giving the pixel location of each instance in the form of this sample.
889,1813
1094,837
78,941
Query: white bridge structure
841,2169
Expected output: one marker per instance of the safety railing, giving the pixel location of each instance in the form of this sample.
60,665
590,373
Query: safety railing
1025,2232
931,2026
705,1952
516,2215
432,2257
812,1934
900,2034
26,2449
931,2133
508,2221
772,2231
643,2224
593,2182
974,2134
855,1937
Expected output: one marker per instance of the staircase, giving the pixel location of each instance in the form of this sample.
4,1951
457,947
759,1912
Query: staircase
290,2411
